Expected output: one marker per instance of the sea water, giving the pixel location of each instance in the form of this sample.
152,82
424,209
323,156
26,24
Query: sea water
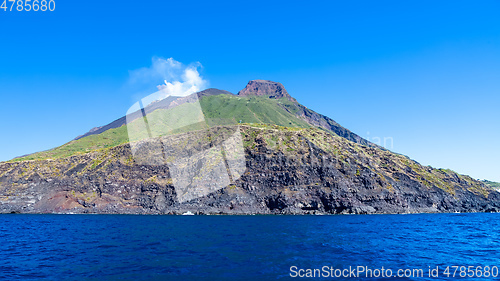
130,247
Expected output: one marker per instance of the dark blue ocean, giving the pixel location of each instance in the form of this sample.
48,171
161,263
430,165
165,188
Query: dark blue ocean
127,247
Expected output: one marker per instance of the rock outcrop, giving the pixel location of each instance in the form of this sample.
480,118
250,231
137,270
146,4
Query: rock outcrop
273,90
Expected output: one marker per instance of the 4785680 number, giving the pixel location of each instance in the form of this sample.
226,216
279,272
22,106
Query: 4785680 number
28,5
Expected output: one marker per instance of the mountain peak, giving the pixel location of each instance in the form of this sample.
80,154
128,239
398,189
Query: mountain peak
274,90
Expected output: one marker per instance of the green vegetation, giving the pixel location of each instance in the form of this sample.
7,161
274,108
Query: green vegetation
218,110
110,138
255,109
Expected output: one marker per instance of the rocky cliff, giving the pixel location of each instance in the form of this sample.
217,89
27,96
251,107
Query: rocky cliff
273,90
288,171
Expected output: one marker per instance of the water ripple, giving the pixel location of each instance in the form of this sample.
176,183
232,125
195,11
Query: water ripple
79,247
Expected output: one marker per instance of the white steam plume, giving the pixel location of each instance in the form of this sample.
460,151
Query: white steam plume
177,79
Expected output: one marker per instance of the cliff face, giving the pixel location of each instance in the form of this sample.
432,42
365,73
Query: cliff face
288,171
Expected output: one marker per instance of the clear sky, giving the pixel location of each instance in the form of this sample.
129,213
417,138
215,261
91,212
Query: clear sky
425,74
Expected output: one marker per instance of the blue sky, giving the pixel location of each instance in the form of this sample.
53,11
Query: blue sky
425,74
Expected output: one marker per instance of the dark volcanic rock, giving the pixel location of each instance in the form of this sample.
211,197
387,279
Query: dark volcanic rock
318,120
288,171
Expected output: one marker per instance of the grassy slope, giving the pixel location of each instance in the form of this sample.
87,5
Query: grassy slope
251,110
218,110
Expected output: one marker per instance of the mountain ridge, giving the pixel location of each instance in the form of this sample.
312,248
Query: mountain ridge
272,95
297,162
258,87
164,103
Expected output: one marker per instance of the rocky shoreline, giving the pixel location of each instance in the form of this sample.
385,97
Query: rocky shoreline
288,171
